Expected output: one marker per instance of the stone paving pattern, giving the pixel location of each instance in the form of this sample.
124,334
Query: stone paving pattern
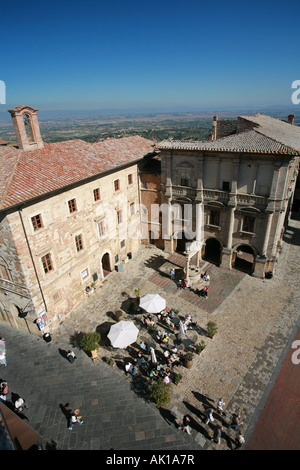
255,319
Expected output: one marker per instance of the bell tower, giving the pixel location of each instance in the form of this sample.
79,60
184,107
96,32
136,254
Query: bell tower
27,127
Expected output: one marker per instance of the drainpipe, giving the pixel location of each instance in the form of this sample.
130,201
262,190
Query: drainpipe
32,260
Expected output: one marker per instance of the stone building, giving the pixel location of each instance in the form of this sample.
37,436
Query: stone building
69,214
228,199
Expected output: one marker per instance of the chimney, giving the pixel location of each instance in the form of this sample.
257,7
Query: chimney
26,116
291,118
214,127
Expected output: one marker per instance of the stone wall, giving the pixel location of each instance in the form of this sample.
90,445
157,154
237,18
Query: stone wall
61,289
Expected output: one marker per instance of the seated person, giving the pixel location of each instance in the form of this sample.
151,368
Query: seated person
130,369
143,346
71,356
153,373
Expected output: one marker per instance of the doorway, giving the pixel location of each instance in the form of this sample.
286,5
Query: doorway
213,250
106,268
244,259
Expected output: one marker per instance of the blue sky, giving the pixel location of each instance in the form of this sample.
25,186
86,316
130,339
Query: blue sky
168,55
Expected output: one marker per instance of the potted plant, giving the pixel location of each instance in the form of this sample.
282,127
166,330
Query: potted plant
200,347
161,393
90,343
137,292
119,315
211,329
177,378
188,360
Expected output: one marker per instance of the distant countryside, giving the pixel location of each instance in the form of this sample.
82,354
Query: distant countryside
91,127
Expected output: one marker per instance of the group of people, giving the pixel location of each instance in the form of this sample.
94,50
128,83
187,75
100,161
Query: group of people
18,403
150,366
236,423
183,284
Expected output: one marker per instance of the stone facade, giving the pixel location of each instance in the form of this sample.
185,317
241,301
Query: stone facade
63,287
59,245
243,192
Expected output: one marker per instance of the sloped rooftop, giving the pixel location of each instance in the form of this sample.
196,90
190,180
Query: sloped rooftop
27,175
268,135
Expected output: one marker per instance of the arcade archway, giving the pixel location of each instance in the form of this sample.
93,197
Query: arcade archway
213,249
244,259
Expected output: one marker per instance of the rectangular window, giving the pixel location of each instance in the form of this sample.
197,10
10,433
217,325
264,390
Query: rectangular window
37,222
78,242
248,223
117,185
226,186
72,205
122,244
85,273
101,228
132,209
130,180
119,217
4,273
96,194
145,184
214,218
47,263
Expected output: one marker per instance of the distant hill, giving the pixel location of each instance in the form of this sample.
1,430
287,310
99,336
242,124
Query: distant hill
92,125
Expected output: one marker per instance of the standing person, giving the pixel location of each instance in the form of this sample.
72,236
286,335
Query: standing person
3,390
239,440
209,416
172,273
186,425
74,419
220,406
205,291
236,421
218,433
19,404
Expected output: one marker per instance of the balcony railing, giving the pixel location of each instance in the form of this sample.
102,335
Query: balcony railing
222,196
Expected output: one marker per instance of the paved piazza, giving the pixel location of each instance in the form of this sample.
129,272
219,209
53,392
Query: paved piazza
256,320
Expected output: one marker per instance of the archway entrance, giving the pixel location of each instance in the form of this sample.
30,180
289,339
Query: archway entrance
244,259
213,250
106,268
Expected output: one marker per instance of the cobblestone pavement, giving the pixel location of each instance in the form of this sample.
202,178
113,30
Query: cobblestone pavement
255,320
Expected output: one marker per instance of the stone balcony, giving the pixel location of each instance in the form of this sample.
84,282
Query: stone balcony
224,197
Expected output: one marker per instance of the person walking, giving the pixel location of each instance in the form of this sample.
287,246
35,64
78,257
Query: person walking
172,274
186,425
74,419
218,433
209,415
220,406
236,421
239,440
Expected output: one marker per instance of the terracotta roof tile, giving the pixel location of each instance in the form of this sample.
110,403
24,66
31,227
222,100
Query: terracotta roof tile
26,175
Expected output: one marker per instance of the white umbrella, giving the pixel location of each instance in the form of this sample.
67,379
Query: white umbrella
153,303
122,334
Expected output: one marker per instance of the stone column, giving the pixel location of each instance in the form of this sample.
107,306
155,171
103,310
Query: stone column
267,233
227,251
